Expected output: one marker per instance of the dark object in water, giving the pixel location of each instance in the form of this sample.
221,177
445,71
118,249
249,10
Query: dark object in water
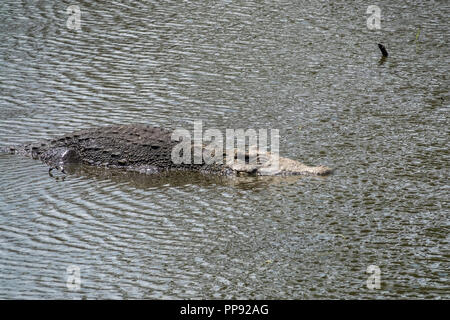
383,50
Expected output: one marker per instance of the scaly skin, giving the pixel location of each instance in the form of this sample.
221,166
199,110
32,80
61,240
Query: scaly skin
146,149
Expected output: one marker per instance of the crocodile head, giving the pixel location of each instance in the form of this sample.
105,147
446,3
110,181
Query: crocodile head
270,164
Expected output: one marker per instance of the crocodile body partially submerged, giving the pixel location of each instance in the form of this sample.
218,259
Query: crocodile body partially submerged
145,149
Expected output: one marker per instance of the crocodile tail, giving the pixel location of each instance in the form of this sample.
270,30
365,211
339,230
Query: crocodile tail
7,149
11,149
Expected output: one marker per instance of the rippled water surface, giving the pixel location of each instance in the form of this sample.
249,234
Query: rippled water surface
311,69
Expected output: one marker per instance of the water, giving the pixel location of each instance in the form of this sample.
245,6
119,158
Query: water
311,69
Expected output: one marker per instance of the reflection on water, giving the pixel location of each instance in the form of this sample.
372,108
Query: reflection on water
311,69
175,178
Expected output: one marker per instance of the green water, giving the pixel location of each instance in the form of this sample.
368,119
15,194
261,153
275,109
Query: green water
311,69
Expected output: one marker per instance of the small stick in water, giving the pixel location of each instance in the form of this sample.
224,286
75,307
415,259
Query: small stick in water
383,50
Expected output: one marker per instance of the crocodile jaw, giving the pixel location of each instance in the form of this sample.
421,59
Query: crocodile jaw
268,164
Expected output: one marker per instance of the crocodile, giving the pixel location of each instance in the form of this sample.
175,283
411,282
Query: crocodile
146,149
